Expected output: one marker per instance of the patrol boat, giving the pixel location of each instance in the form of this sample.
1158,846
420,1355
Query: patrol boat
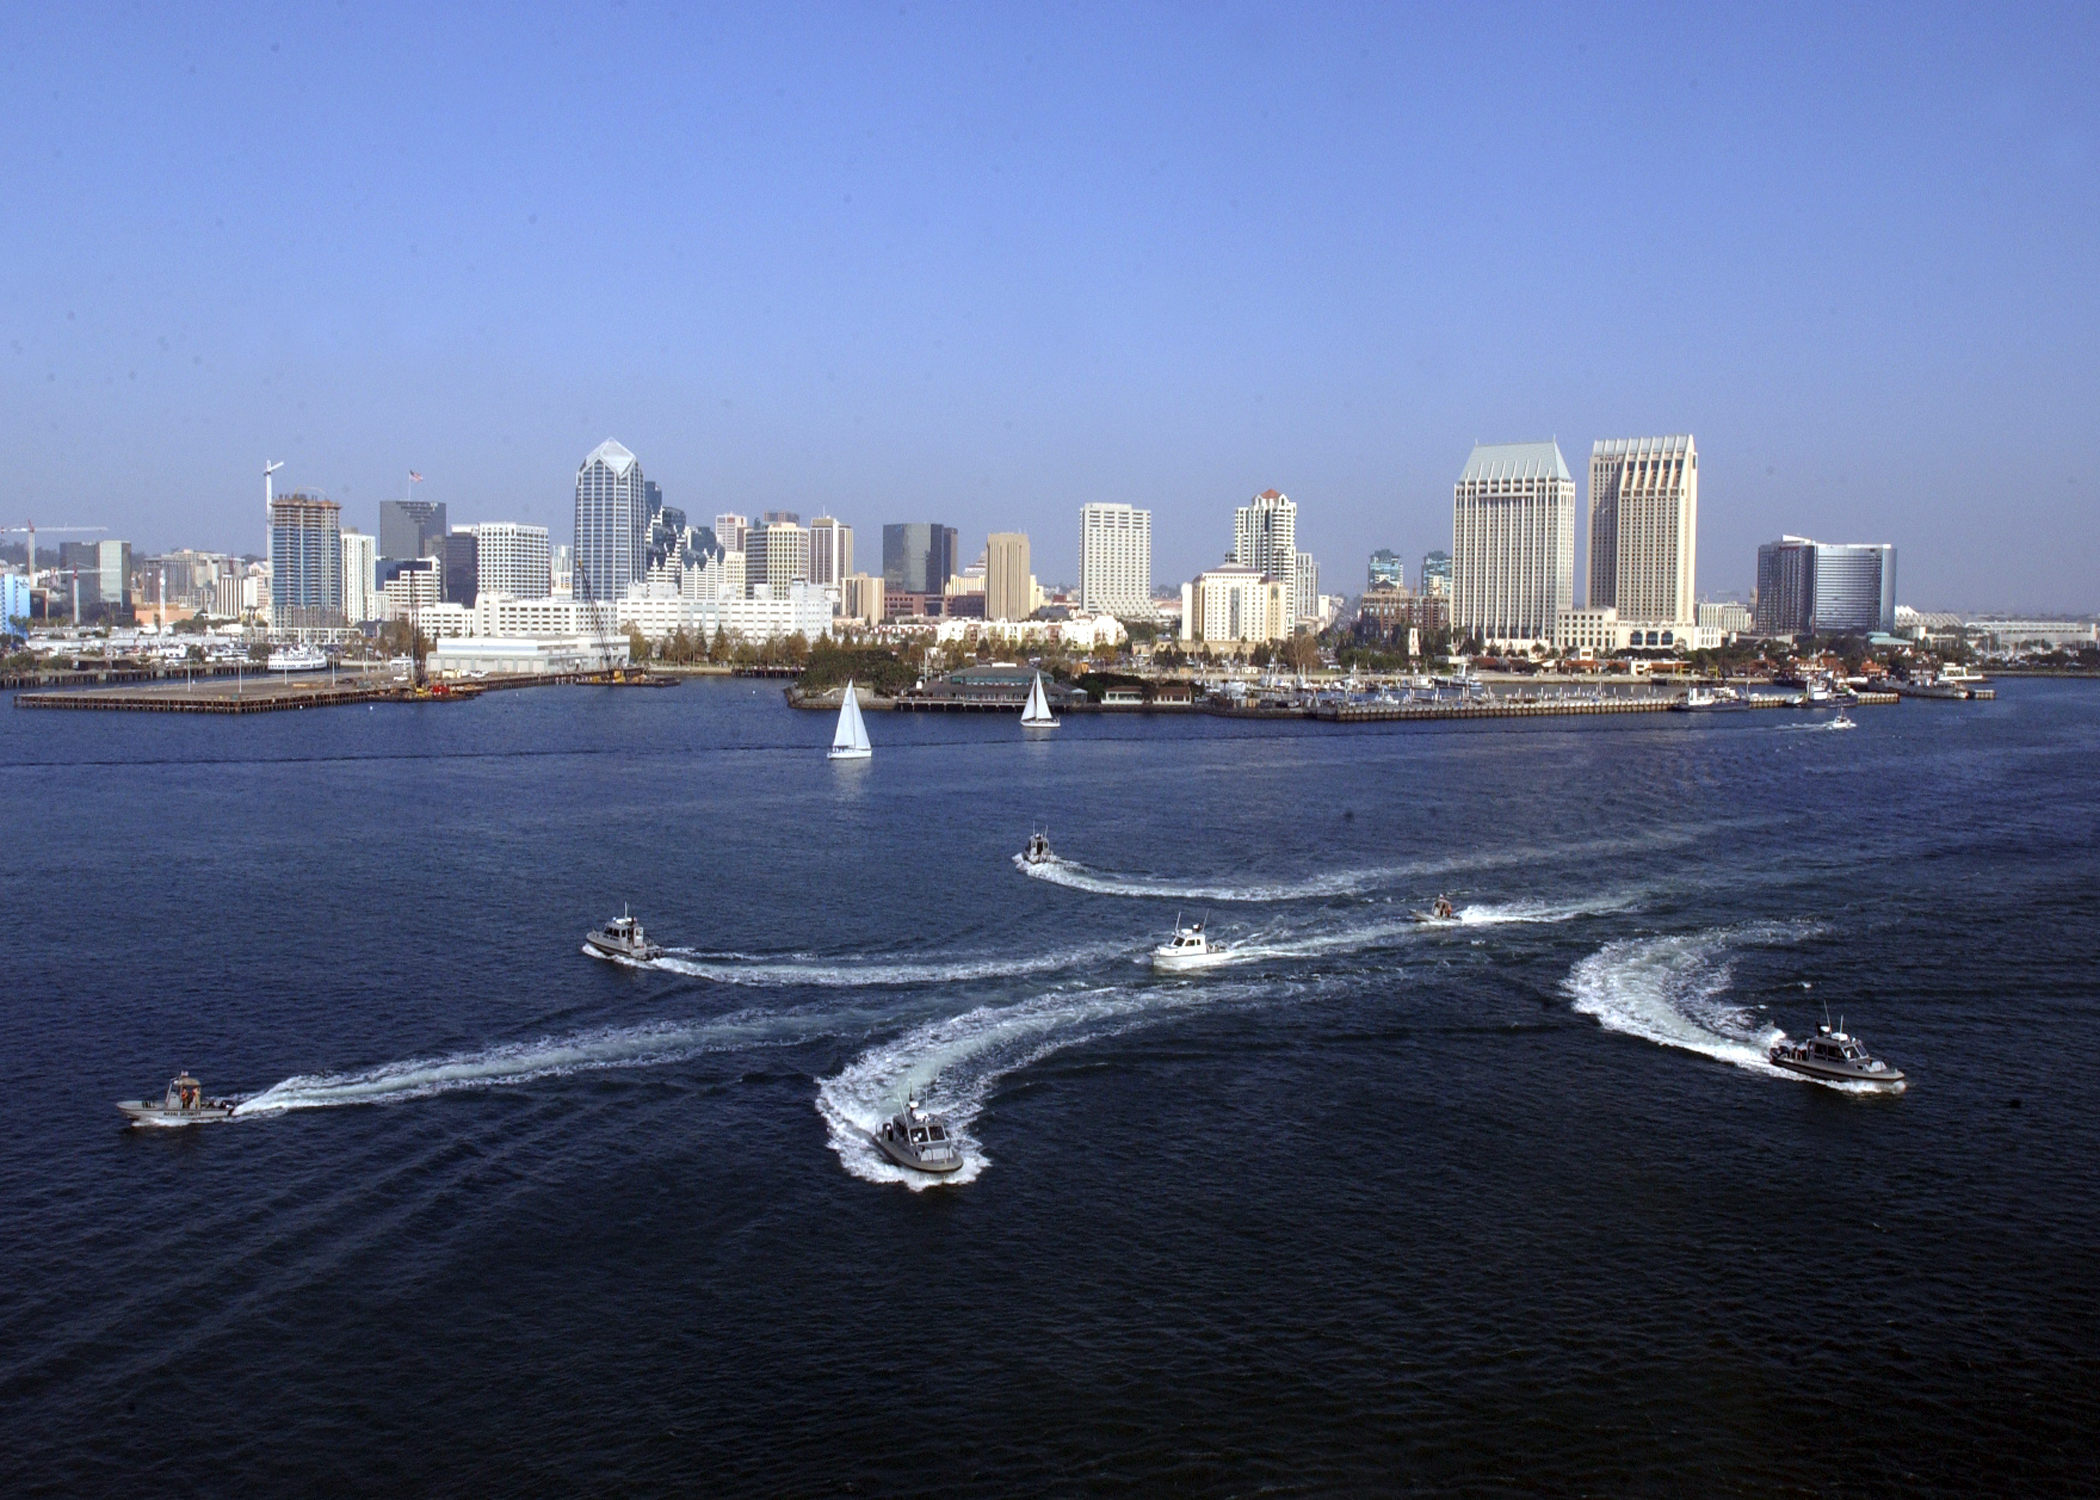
917,1139
622,937
183,1104
1038,850
1440,910
1187,949
1834,1057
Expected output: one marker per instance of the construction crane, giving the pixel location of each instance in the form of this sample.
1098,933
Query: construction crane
31,530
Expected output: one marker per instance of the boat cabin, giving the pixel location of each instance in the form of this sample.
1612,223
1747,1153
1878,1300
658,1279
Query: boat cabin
184,1092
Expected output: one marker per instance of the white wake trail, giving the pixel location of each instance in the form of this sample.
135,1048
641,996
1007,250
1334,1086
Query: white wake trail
809,969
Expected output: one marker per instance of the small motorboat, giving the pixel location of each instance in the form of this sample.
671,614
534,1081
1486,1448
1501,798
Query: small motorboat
1440,910
1843,721
1187,949
1038,850
183,1104
917,1139
621,938
1833,1057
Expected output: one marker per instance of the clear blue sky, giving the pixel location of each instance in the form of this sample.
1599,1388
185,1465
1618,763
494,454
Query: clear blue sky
980,263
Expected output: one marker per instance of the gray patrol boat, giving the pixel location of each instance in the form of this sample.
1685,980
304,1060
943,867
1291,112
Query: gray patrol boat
183,1104
1834,1057
917,1139
622,937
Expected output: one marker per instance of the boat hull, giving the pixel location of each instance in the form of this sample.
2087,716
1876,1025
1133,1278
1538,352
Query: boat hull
1824,1073
838,752
1185,963
903,1158
615,951
145,1112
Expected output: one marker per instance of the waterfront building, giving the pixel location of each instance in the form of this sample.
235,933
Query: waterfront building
1387,566
1007,594
511,558
1726,616
918,557
410,528
1115,560
611,523
462,567
360,578
830,551
777,552
1644,529
1512,544
1995,633
1825,588
861,598
306,562
1235,604
1391,608
1436,573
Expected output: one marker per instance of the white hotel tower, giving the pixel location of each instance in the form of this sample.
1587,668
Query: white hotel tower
1115,561
1512,544
1644,529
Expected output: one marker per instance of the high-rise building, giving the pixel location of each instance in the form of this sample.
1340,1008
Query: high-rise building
729,531
80,578
1512,543
561,571
1007,595
1115,560
114,559
1265,535
1786,586
462,567
1305,591
1825,588
306,562
1644,529
918,557
778,553
360,577
611,524
1436,574
1855,588
410,528
1387,566
511,558
830,551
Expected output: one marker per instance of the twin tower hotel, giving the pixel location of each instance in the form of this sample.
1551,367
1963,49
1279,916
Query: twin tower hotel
1513,547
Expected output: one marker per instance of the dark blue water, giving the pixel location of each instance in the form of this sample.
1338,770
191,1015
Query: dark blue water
1511,1207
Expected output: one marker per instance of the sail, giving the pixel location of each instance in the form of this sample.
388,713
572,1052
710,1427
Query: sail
852,734
1038,709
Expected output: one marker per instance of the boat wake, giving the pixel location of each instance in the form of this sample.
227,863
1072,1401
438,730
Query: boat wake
812,969
521,1062
953,1064
1079,877
1675,992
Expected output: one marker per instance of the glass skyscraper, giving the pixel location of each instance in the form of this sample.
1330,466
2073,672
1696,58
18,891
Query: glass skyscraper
306,562
612,524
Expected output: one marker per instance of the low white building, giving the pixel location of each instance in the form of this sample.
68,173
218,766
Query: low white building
1600,632
464,656
1080,632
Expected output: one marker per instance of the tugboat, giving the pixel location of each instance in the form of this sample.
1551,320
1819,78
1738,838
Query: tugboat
1038,850
1187,949
1833,1057
621,937
183,1104
917,1139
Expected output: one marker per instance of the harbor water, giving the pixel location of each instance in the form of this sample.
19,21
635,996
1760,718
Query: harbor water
1511,1205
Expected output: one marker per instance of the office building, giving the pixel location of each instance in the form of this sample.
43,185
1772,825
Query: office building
360,578
410,587
1008,586
830,551
1265,538
114,559
1387,566
1786,586
1391,609
1512,544
1644,529
561,571
1436,574
729,531
14,603
462,568
411,528
79,580
777,553
918,557
306,562
513,559
1237,605
1305,593
1726,616
1115,561
611,524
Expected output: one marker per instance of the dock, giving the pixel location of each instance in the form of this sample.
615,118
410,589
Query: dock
228,696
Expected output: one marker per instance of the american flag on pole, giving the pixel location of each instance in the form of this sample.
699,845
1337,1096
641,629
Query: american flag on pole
413,475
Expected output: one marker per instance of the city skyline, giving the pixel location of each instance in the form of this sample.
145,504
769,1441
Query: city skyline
836,296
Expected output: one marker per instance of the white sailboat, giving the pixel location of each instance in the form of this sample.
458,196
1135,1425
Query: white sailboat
1037,714
850,741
